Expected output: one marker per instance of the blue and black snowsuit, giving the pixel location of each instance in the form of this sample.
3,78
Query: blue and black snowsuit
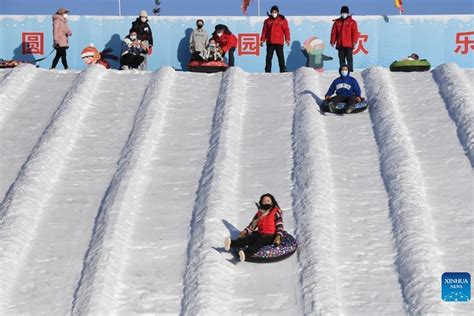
346,88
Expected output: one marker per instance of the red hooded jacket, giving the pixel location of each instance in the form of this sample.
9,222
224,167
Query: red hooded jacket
270,224
275,31
344,33
226,41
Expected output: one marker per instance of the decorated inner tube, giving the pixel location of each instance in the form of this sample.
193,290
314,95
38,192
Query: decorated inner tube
207,66
342,107
410,65
272,253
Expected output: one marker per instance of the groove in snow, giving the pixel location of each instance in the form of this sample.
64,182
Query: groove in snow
418,257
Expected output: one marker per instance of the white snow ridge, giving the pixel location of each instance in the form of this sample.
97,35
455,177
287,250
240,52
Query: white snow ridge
118,189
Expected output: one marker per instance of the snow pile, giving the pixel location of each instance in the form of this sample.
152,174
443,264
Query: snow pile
206,279
107,252
459,98
13,86
418,257
313,199
22,208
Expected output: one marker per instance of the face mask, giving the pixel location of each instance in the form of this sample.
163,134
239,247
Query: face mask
143,19
65,15
344,73
212,46
199,26
274,15
266,207
133,37
219,34
344,15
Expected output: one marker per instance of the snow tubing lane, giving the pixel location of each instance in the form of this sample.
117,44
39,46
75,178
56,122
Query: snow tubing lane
342,107
272,253
207,67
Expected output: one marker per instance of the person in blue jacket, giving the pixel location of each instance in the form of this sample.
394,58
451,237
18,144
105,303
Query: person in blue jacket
347,91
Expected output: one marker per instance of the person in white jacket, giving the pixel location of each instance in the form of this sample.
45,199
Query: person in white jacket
198,40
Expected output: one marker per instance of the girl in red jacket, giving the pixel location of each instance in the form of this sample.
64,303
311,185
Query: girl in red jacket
266,228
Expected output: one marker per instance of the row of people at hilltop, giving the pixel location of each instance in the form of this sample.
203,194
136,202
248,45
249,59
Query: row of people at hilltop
138,44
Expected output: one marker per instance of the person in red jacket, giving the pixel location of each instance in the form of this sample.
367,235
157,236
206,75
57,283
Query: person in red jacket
227,41
275,33
344,35
266,228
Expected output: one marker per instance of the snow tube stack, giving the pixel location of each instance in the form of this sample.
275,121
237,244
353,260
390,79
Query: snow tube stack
272,253
207,66
410,65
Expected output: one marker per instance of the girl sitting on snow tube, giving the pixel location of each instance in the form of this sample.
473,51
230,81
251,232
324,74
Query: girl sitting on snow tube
261,239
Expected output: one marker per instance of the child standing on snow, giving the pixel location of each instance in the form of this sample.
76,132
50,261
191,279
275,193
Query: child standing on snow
266,228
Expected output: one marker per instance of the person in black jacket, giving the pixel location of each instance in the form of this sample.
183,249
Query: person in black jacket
143,29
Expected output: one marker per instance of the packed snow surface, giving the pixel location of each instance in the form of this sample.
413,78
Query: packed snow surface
118,189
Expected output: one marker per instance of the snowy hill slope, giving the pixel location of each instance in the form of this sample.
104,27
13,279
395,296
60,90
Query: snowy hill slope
118,189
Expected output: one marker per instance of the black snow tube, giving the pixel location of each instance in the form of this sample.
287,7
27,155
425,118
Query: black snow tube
207,66
342,107
410,65
272,253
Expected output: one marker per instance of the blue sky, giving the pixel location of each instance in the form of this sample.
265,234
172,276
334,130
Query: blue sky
232,7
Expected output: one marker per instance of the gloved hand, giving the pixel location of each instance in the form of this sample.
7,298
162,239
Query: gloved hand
358,99
242,234
277,240
327,98
288,43
261,43
150,50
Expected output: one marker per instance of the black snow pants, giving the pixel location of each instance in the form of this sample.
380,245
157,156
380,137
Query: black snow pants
255,241
60,53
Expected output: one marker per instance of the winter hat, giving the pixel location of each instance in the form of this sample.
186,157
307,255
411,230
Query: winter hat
274,8
220,27
342,66
345,9
90,51
143,13
62,11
